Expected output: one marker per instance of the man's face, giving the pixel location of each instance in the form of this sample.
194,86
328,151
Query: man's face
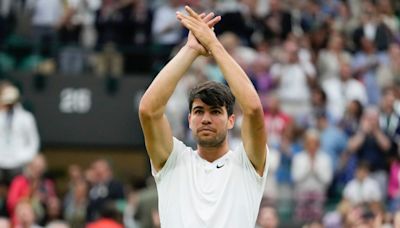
209,124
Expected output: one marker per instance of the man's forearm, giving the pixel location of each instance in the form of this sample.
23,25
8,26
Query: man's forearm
237,79
162,87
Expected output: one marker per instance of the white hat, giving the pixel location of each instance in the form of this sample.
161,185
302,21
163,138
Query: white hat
9,95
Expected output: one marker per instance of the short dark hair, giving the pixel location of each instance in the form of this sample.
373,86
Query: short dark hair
213,94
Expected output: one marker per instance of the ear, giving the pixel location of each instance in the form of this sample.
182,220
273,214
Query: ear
231,121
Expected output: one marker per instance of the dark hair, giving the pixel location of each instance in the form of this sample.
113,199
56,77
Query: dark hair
213,94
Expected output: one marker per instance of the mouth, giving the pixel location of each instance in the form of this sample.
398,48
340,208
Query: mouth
205,129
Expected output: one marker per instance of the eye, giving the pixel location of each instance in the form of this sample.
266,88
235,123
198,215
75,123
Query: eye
216,112
198,111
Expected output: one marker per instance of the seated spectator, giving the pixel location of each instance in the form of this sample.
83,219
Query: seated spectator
343,89
289,147
25,215
370,144
312,174
362,189
147,205
294,77
32,187
277,24
75,200
105,188
267,217
389,119
330,59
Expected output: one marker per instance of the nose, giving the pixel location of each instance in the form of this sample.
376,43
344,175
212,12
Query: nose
206,118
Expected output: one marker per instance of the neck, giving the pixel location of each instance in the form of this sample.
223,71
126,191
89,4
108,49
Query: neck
213,153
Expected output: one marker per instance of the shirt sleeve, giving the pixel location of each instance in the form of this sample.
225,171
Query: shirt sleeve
172,161
249,166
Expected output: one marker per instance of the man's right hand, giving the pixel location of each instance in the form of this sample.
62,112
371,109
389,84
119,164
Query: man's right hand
193,43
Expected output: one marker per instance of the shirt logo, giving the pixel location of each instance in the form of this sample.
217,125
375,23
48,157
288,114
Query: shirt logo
220,166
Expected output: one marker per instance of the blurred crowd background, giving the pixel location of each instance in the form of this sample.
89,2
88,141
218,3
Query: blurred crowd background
327,72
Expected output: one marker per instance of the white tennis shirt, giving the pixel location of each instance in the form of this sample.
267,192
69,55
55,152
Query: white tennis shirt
195,193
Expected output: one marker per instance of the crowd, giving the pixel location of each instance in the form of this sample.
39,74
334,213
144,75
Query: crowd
328,74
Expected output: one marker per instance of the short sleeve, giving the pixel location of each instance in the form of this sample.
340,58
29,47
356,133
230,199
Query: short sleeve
249,166
172,161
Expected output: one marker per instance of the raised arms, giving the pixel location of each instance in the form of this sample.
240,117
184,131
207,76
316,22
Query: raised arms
253,130
156,129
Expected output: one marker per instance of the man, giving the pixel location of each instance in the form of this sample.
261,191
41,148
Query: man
106,189
211,186
19,137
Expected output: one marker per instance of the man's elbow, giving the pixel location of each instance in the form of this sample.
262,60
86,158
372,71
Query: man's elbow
253,109
145,111
148,111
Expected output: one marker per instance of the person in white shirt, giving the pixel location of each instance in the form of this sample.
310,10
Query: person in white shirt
212,186
19,138
363,188
312,173
342,90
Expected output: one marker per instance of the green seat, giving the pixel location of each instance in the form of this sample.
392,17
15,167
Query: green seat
30,63
7,63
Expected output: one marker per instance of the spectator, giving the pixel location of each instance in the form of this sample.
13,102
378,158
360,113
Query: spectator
108,23
5,19
289,147
138,20
25,215
166,33
147,205
294,76
343,89
351,119
46,18
389,120
259,73
362,189
388,16
105,189
332,58
387,74
312,174
365,63
267,217
277,25
372,145
108,217
75,205
333,142
394,185
19,139
372,29
33,187
277,120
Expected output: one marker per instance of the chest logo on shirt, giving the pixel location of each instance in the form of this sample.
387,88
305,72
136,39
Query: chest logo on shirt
220,166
